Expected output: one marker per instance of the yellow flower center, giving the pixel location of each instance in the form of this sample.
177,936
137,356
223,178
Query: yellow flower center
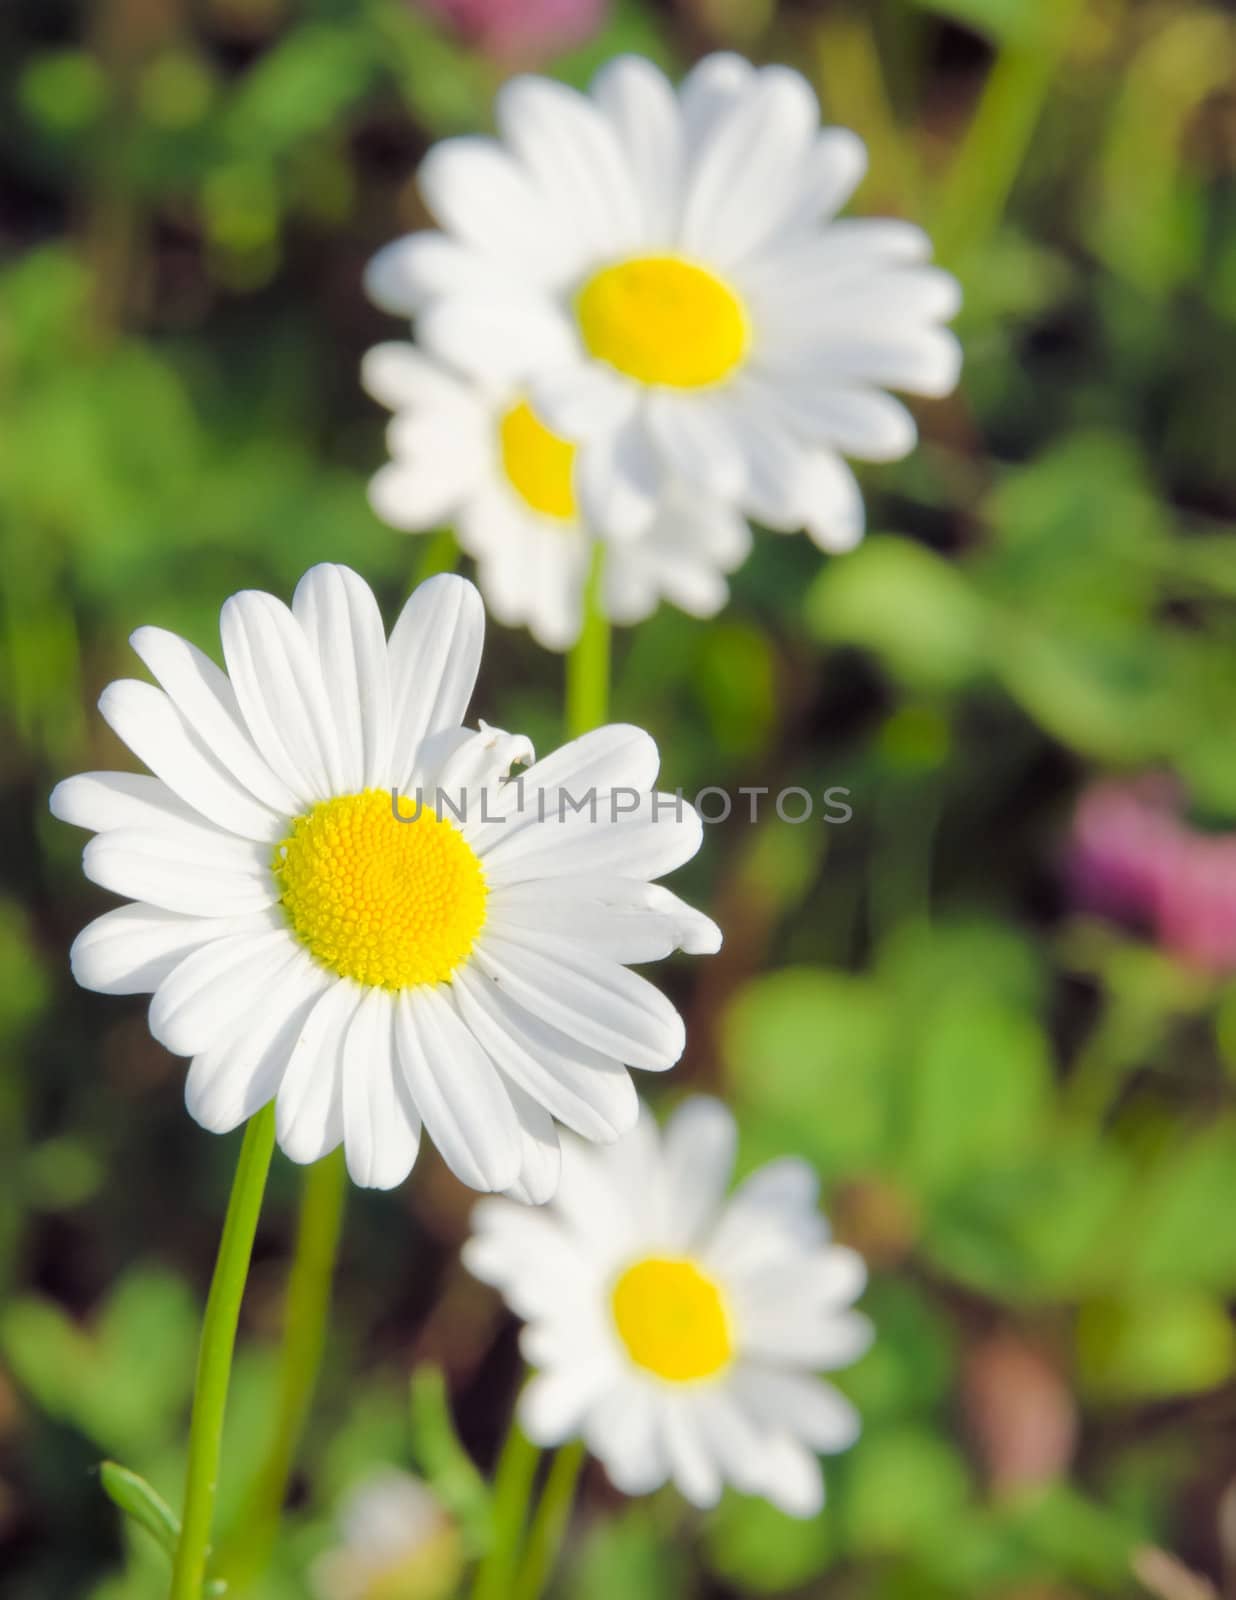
538,464
389,903
672,1319
663,321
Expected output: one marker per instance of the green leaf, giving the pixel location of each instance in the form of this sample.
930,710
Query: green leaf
913,609
49,1356
976,1090
902,1488
807,1050
628,1555
1175,1240
138,1500
910,1366
1155,1345
1001,21
442,1459
760,1550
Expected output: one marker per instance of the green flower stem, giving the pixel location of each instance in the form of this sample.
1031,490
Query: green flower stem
587,665
1000,133
214,1362
512,1494
304,1341
549,1526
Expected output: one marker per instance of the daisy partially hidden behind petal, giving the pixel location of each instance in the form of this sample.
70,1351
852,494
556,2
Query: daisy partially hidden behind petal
397,1543
675,1330
476,454
456,960
664,274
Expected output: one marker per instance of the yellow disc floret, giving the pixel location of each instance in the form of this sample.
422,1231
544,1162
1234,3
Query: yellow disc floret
538,464
672,1319
385,901
663,321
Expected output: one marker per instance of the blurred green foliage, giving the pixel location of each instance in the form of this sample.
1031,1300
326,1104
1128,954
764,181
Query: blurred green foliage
1026,1121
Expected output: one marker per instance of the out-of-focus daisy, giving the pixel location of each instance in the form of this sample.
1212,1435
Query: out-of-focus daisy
477,455
677,1330
664,273
398,1543
367,964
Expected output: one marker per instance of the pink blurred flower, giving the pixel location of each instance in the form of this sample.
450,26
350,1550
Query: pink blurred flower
1134,858
526,31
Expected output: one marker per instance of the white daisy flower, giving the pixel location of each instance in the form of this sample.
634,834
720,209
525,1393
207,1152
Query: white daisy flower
676,1330
665,273
372,972
474,453
398,1543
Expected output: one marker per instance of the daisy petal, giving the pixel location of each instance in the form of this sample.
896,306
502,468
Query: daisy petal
620,480
712,87
835,168
132,949
617,756
698,1148
341,620
406,275
457,1091
863,422
147,721
628,921
691,1463
103,801
553,1405
802,1406
403,378
282,696
182,868
823,1345
698,443
207,998
435,654
309,1107
541,1162
415,496
741,187
569,149
478,193
585,831
793,1481
639,102
582,400
624,1433
587,1091
588,998
381,1129
733,1439
203,694
833,511
500,340
231,1081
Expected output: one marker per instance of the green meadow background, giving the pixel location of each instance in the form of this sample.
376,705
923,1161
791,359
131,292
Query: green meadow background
1025,1119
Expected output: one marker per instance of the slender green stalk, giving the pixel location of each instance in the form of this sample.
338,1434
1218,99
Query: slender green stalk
438,553
214,1362
998,138
304,1340
587,665
550,1523
512,1493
